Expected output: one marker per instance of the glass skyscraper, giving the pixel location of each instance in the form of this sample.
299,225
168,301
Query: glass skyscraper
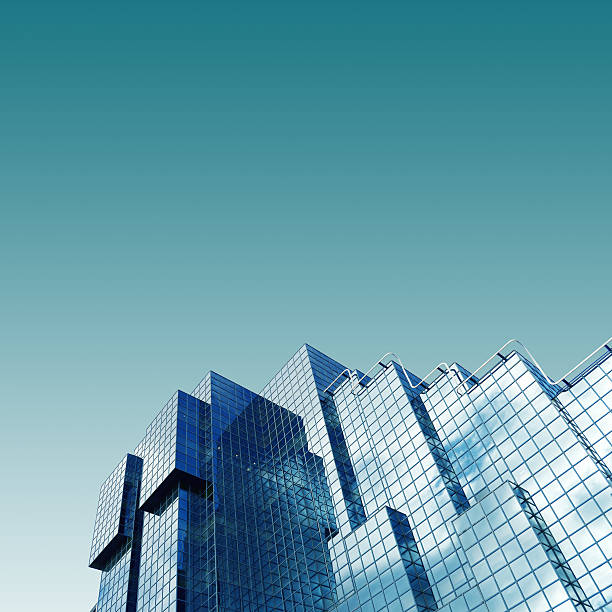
334,490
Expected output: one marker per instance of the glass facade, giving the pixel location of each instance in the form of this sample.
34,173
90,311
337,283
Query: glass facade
333,491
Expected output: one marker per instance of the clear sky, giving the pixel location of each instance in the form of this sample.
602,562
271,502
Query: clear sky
189,186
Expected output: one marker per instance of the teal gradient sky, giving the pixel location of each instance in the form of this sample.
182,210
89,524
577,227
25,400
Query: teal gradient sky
189,186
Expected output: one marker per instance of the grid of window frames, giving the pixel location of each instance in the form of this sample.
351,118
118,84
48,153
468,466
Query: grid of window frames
509,428
117,511
114,583
106,525
489,495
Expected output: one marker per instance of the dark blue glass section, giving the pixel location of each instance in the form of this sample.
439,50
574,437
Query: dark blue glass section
120,559
196,576
324,371
176,448
131,491
346,473
273,513
193,435
417,576
132,595
117,509
242,512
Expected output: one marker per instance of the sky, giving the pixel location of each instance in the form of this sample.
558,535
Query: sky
195,186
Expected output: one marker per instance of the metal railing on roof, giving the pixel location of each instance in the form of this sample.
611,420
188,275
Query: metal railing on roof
444,368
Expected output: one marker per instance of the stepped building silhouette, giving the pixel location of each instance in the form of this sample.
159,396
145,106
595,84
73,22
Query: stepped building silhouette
338,491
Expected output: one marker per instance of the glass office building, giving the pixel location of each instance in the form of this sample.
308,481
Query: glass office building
334,490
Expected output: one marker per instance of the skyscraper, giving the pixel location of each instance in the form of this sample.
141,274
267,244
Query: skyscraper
335,490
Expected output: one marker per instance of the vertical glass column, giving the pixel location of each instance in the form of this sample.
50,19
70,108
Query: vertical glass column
413,564
552,550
